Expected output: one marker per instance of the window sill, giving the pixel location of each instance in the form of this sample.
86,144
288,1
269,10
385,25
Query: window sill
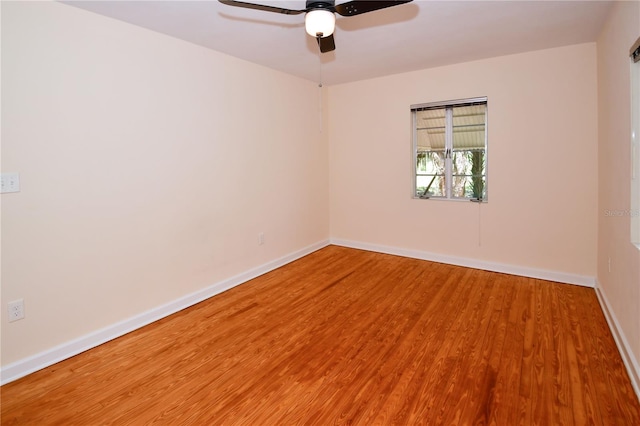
457,200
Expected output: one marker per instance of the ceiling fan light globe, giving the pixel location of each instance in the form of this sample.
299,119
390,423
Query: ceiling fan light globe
321,22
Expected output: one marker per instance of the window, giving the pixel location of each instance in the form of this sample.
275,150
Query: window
634,213
450,150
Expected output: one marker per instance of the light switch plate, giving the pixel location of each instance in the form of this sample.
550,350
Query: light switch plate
10,183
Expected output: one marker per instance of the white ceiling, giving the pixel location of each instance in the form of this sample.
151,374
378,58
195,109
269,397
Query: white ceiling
413,36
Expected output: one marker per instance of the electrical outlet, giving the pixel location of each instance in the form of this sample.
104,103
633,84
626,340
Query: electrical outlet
9,182
16,310
261,238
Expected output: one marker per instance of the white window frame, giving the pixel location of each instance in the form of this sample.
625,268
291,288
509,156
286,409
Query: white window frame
449,105
634,212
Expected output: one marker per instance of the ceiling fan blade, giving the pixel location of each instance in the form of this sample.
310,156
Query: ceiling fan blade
357,7
262,7
326,44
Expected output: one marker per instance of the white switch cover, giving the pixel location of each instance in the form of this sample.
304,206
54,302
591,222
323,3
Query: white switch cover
10,183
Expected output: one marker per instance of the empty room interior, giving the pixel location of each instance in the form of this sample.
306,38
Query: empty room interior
210,216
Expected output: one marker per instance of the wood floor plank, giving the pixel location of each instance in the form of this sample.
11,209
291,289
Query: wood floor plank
528,397
350,337
430,328
507,386
472,358
582,390
435,364
486,399
561,374
604,361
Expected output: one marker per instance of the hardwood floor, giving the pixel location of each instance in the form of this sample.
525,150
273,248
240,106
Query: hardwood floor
344,336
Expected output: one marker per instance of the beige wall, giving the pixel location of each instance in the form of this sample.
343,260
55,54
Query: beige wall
542,162
148,167
621,285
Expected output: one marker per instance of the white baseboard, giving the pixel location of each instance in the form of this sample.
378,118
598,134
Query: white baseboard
542,274
633,368
66,350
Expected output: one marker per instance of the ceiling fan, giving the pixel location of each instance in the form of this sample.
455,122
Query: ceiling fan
320,16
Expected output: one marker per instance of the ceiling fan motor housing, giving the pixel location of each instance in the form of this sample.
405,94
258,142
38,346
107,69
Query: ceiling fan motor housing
315,4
